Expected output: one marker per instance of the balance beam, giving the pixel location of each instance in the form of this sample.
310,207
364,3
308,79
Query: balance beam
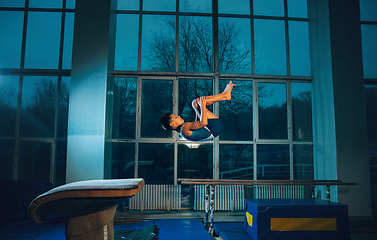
88,206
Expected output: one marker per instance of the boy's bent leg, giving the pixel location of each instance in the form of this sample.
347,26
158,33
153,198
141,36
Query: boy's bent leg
225,95
197,110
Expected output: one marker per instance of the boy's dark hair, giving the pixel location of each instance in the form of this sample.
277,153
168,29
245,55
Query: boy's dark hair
165,121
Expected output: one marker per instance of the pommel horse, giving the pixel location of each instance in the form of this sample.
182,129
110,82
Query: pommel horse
88,206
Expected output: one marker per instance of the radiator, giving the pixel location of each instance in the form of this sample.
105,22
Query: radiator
157,197
227,197
270,191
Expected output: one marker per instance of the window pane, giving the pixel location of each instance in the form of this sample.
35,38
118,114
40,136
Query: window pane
269,7
158,50
202,6
156,163
236,162
270,49
123,160
34,161
299,48
368,10
234,45
38,106
8,104
43,40
371,110
13,3
6,156
70,4
297,8
124,111
63,107
195,161
195,44
68,40
303,168
190,89
156,98
234,7
61,163
11,38
369,48
126,43
128,4
162,5
273,162
237,114
272,110
46,3
302,111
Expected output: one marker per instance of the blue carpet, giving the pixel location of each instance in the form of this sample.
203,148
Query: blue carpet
169,229
26,229
182,229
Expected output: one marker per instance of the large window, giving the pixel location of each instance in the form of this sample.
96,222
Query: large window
35,61
265,136
170,53
169,38
368,36
166,54
368,15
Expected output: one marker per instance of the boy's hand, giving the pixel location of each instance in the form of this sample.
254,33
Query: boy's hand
203,101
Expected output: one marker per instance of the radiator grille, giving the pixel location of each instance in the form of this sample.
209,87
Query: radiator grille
268,191
227,197
231,197
157,197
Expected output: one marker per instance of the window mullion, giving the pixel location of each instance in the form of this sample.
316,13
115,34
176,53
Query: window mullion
138,125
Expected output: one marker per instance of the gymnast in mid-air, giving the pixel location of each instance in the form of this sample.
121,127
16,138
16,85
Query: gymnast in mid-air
206,125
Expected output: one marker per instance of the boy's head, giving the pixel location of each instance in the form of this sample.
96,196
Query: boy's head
170,121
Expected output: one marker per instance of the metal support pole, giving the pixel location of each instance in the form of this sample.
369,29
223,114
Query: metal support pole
206,207
210,230
328,192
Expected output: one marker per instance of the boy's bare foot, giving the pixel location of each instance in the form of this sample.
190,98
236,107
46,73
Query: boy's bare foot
228,90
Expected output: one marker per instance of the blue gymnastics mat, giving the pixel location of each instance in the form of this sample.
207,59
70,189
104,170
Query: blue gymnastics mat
308,219
231,231
169,229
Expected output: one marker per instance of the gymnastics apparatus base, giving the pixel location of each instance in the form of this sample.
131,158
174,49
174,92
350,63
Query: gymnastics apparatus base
211,183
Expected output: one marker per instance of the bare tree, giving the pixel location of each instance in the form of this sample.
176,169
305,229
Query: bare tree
38,115
234,55
195,46
8,108
124,107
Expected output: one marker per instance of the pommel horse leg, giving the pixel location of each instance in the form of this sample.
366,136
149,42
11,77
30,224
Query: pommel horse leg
95,226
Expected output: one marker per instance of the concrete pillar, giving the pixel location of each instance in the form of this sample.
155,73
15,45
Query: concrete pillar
339,120
90,104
